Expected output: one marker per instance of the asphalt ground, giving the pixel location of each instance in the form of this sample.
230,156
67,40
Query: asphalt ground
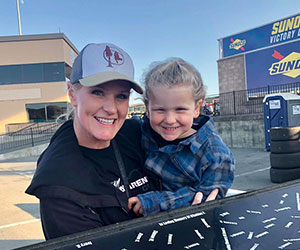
20,220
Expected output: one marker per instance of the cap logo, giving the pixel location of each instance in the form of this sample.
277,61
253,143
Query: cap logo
113,56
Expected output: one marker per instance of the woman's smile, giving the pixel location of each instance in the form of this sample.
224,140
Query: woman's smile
105,121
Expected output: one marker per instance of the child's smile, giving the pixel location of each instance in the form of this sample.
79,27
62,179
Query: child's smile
172,110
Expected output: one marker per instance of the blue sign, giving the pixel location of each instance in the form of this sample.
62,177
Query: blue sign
281,31
273,66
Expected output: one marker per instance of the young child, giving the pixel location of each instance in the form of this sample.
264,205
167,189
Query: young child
191,160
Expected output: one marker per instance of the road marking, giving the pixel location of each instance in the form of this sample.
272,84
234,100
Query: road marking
252,172
24,175
236,191
28,174
232,192
19,223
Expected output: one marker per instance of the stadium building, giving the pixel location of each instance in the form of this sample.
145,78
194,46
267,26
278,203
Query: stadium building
33,73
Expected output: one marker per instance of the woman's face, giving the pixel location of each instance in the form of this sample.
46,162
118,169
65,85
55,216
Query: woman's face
100,112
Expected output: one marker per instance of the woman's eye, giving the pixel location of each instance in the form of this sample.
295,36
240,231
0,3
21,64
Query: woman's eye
97,92
123,96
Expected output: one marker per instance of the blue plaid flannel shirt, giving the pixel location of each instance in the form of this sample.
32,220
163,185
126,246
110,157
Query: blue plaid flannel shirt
202,163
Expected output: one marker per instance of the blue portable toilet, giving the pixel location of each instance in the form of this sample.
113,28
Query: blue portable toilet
280,110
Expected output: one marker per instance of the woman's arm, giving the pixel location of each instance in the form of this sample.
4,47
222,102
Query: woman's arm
62,217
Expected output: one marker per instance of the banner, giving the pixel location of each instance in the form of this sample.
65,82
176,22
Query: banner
267,218
273,66
281,31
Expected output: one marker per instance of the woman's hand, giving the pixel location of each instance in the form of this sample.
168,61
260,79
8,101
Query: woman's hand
199,196
135,204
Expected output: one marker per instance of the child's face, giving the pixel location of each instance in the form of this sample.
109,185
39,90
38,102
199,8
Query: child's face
171,111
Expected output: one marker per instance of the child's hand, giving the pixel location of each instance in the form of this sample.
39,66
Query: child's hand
213,195
199,196
135,204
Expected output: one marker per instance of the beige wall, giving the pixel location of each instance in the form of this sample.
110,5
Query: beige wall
69,54
26,52
13,110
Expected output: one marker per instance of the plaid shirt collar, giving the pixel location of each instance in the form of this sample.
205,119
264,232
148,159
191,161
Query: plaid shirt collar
203,124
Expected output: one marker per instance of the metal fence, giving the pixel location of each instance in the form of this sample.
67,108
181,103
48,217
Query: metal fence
30,136
250,101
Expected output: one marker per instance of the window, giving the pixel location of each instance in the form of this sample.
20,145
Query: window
54,72
32,73
42,112
36,112
55,110
11,73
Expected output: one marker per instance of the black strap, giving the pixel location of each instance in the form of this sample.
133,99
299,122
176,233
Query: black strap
121,166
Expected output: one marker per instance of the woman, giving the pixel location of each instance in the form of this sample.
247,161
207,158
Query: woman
80,178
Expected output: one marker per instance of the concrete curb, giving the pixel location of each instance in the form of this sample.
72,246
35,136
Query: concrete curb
26,152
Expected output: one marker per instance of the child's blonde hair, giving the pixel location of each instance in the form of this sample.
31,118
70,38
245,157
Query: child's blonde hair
171,72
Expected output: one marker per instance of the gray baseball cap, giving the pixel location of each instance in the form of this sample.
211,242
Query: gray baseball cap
100,63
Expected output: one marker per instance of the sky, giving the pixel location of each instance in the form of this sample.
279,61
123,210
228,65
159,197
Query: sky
148,30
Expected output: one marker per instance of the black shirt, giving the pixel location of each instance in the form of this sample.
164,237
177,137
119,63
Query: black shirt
75,184
105,162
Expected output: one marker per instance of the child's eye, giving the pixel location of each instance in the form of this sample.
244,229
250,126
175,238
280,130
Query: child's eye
123,96
97,92
181,109
158,110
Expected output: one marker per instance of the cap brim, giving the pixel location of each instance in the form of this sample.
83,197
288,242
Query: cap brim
104,77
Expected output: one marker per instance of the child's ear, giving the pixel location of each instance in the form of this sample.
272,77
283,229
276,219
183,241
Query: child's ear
71,94
197,108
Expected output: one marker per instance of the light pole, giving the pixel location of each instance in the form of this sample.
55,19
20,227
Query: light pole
19,19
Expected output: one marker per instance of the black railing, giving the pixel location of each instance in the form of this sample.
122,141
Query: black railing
250,101
31,136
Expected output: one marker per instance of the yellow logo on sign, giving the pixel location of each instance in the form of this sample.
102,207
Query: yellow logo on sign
237,44
288,66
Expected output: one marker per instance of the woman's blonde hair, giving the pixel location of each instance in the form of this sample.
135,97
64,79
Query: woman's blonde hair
69,115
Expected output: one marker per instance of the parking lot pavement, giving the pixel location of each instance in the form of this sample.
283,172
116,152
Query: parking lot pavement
19,221
252,169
